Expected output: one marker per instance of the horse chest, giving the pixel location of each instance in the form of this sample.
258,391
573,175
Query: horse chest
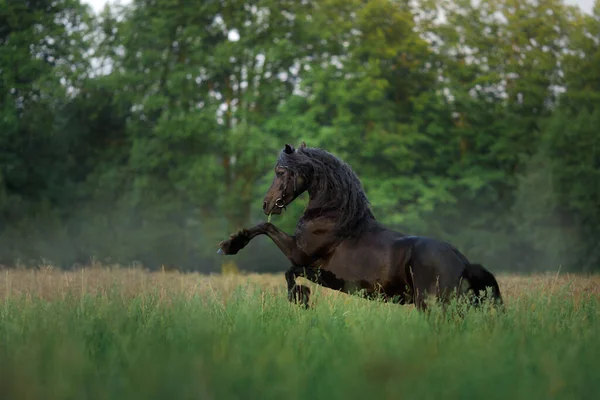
315,238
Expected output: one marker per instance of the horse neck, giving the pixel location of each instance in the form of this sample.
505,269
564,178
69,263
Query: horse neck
319,199
321,202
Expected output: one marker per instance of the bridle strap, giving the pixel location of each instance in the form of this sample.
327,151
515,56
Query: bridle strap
285,187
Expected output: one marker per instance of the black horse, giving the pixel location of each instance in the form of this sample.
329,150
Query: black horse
339,244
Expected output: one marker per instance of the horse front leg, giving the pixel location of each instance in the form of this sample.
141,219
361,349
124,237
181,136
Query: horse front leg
286,243
299,293
316,275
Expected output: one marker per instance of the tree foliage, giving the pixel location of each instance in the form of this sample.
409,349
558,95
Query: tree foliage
148,132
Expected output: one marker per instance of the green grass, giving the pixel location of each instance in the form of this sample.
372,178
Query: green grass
254,344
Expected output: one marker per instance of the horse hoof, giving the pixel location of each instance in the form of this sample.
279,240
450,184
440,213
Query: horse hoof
299,294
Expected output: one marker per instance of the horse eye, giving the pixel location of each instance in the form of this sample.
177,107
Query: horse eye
279,173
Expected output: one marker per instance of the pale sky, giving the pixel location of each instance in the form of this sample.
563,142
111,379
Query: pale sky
586,5
98,5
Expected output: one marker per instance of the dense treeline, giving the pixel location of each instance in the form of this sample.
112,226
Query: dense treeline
147,133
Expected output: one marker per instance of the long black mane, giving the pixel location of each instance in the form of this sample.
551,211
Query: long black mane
333,186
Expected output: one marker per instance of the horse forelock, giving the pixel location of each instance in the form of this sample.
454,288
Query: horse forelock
333,185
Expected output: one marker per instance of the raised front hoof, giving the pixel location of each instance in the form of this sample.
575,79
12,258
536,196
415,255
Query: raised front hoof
299,294
235,243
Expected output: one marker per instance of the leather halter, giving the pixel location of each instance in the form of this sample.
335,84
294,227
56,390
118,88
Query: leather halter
279,202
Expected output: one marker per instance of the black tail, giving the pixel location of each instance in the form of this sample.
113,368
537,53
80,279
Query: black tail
480,279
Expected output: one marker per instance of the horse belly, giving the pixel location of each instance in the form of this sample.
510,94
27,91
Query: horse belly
362,268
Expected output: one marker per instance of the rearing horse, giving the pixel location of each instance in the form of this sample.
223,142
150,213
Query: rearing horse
339,244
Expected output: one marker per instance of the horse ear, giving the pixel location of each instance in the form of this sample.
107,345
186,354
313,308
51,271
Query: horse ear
289,149
303,145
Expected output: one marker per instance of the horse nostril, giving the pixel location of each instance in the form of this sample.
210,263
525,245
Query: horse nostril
264,205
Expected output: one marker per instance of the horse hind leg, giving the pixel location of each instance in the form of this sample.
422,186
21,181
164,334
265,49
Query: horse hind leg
419,300
424,284
427,290
464,291
418,291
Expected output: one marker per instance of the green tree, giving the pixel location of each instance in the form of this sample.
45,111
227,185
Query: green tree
359,100
42,64
501,65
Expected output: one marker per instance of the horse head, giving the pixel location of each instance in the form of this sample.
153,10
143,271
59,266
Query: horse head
288,182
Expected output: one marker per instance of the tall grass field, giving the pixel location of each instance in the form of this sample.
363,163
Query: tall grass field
117,333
